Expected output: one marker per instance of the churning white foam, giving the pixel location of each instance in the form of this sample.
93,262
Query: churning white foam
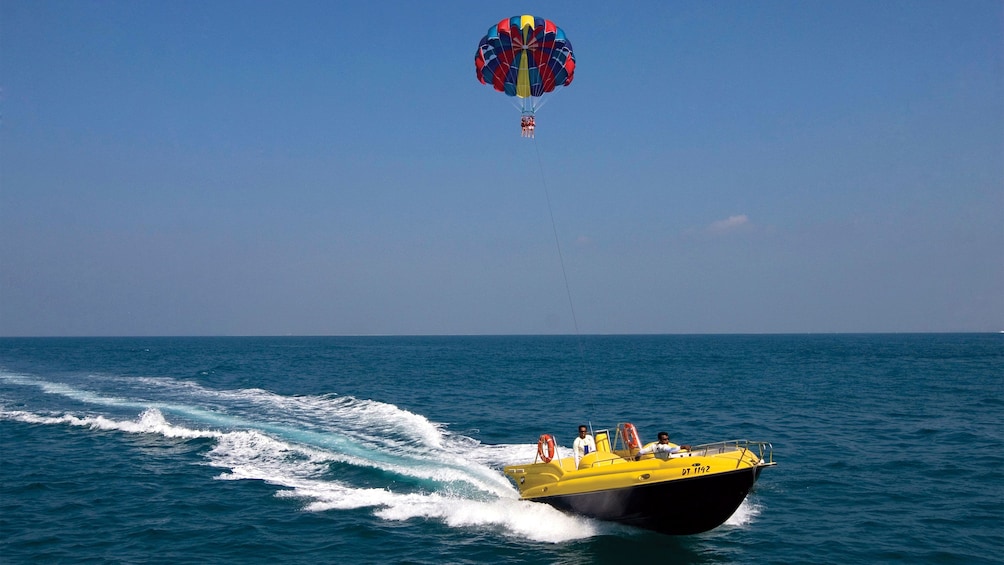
513,517
293,443
745,514
149,422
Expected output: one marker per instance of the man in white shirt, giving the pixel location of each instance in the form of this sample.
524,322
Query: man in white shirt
583,444
662,449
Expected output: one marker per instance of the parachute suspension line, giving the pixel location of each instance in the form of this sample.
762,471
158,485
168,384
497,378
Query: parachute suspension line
541,100
557,243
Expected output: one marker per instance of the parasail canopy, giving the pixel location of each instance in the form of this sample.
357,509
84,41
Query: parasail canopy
525,57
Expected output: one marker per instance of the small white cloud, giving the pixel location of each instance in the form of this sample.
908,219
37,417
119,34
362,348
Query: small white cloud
583,240
729,224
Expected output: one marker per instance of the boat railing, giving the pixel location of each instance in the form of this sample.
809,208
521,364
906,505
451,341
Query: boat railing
762,449
613,451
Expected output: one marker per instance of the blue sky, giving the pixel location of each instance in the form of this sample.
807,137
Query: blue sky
264,168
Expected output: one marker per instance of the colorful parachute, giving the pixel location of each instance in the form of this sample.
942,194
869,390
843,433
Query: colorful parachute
525,57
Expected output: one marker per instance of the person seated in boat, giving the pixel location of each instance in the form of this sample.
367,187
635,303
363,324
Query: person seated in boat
662,448
583,444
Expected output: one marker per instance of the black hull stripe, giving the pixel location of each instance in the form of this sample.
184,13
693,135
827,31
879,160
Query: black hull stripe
679,507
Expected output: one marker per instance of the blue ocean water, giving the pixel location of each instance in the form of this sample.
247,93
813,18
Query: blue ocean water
890,448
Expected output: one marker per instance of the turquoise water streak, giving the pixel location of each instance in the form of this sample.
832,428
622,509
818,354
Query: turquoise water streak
890,448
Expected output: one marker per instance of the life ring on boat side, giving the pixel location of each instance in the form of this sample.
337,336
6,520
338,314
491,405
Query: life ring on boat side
630,434
548,441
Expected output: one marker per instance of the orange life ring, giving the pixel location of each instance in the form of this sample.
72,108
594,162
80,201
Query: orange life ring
630,434
547,440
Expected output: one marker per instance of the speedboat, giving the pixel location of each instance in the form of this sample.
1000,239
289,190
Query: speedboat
693,490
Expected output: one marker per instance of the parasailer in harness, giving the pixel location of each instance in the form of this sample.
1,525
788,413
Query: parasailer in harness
525,57
527,124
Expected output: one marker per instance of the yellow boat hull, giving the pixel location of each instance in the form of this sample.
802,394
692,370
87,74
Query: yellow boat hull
688,493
